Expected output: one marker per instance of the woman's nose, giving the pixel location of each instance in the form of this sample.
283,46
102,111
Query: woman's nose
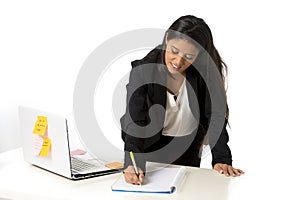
178,60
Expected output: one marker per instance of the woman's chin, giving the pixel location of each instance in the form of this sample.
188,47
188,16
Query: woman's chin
172,71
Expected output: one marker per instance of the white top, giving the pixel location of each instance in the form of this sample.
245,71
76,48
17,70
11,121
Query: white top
179,119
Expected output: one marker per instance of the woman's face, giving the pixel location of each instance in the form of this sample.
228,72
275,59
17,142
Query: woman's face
180,54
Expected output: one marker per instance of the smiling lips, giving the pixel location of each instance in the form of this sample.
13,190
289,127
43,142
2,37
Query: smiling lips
175,67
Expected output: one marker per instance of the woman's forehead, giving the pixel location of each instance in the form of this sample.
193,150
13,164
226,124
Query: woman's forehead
183,45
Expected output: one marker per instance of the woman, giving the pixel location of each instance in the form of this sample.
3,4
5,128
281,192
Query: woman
174,76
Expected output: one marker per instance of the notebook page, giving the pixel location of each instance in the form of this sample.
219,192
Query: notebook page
160,180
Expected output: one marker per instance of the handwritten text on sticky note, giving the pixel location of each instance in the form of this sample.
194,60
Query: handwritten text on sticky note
46,147
40,125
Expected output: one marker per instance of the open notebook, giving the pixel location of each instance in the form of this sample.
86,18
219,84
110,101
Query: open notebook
157,180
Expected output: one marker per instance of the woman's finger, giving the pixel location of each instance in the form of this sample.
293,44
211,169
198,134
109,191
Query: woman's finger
225,169
218,168
239,171
130,175
230,170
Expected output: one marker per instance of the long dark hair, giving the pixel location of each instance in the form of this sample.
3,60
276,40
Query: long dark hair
197,30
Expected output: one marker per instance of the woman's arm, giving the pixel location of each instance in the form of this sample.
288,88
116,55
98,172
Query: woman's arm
221,153
135,118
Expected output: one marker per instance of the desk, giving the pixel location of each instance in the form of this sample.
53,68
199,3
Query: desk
20,180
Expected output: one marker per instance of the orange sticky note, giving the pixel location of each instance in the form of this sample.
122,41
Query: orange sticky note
46,147
40,125
115,165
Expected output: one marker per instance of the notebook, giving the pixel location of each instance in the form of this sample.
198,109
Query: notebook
45,143
163,180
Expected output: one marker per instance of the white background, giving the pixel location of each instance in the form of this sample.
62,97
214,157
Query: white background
44,43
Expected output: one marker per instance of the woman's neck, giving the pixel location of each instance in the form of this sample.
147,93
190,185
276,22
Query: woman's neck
174,82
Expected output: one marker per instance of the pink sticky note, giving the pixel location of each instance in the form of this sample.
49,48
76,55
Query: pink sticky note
37,144
77,152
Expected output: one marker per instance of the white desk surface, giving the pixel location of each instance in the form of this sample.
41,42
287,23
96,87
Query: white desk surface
20,180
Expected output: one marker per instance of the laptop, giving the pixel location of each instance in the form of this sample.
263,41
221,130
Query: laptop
45,143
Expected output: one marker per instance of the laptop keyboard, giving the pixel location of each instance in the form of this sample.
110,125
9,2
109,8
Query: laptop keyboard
81,166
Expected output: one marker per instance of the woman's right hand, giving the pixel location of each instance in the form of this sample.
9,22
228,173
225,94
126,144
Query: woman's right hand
131,177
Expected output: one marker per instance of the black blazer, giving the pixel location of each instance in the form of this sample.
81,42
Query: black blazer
141,128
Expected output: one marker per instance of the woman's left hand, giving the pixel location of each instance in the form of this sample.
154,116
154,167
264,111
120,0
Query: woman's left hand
228,170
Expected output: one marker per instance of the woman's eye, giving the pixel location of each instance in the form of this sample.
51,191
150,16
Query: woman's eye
188,57
174,51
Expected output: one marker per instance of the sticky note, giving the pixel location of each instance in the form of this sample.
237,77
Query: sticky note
40,125
115,165
37,144
46,147
77,152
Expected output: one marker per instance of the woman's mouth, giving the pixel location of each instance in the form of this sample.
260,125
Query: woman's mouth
175,67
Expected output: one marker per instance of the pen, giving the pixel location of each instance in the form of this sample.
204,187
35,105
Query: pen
134,165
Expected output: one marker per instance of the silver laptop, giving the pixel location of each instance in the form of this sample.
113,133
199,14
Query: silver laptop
49,148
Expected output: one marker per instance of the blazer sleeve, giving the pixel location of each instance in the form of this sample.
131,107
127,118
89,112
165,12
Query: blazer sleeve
218,142
135,118
221,152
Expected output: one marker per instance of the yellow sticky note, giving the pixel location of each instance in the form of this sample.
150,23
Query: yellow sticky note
46,147
40,125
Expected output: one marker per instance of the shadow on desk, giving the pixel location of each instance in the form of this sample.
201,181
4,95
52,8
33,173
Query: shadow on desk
198,184
208,185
